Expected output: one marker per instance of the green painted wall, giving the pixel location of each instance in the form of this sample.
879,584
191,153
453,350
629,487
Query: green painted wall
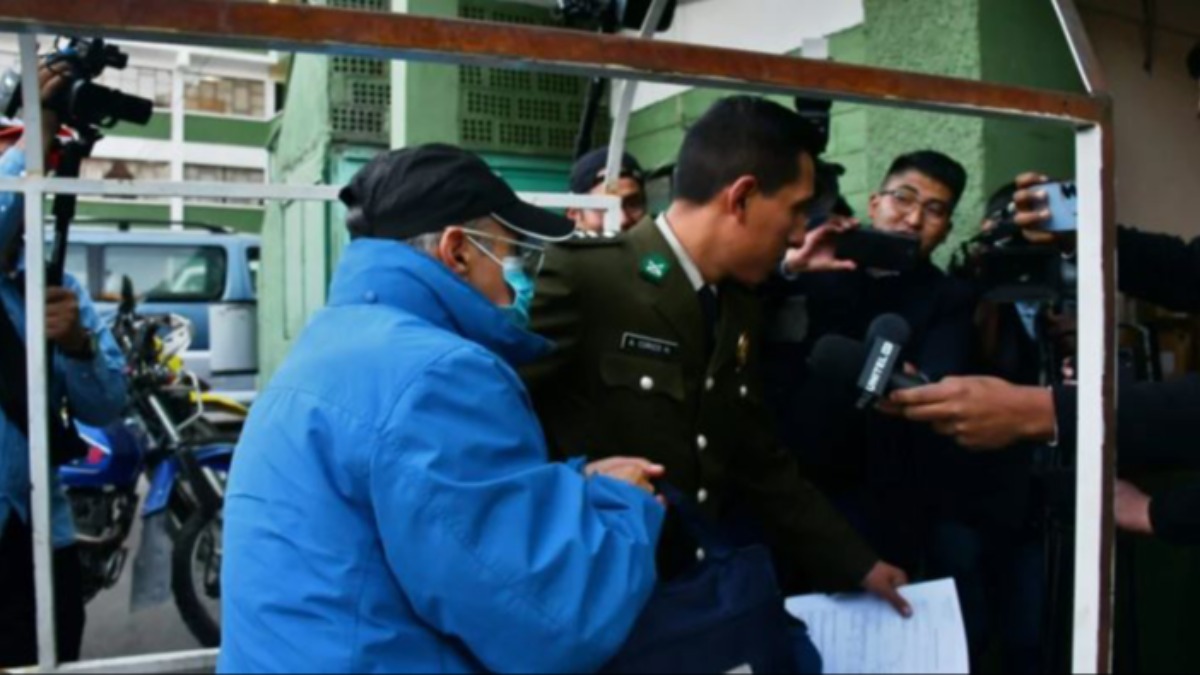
430,90
158,129
531,174
294,271
1022,44
248,219
226,131
114,210
940,37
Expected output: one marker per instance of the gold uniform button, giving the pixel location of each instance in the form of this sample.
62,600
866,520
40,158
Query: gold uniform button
702,496
701,442
647,383
709,384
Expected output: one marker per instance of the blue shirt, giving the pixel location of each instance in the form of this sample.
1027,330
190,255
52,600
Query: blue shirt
391,507
96,388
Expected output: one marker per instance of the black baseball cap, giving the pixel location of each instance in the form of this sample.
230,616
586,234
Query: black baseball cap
414,191
589,170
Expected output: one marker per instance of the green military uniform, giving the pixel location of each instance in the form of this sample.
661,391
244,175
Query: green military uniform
630,377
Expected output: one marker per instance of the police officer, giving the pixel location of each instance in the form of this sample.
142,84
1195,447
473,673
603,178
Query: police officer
657,344
588,178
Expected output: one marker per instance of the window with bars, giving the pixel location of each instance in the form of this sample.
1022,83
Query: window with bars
226,96
223,174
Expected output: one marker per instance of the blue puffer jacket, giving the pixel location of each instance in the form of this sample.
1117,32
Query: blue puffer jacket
391,508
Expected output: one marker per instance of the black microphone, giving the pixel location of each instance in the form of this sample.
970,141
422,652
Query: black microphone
841,359
890,327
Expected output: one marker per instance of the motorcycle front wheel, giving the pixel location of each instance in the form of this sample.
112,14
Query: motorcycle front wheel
196,577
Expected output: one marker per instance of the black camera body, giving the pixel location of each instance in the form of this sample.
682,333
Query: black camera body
1010,269
82,104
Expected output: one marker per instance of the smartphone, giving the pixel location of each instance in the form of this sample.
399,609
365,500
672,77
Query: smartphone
1063,204
873,249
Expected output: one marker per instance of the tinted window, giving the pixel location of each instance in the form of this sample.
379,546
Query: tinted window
252,259
166,273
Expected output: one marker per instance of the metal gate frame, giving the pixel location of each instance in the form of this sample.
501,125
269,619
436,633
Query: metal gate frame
227,23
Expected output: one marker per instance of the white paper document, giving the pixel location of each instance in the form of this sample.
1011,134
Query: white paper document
862,634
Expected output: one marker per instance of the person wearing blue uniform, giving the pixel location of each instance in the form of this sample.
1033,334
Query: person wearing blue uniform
391,506
87,371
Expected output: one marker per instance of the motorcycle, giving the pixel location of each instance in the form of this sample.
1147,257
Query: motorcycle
168,436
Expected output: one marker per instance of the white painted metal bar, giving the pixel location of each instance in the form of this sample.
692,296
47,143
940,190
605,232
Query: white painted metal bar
264,191
135,188
1093,602
1093,591
610,204
624,90
36,360
200,661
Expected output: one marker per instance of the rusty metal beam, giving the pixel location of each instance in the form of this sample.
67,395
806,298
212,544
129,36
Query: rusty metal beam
399,36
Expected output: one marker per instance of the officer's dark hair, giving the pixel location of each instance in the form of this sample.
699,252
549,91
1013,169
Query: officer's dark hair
742,136
935,165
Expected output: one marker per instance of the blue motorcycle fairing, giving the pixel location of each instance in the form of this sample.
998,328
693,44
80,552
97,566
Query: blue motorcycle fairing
115,458
216,457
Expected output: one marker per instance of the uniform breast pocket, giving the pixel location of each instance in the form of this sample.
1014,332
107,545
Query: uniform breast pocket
642,378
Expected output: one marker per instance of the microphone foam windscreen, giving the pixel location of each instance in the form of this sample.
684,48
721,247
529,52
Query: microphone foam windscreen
838,358
890,327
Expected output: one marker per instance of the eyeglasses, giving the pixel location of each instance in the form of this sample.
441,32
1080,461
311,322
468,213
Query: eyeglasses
531,256
907,201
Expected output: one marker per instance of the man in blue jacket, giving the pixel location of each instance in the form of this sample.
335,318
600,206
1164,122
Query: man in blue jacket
86,372
391,507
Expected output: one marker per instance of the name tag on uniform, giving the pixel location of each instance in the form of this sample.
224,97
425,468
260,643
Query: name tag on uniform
648,346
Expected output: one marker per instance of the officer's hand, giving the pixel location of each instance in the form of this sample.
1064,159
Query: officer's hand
818,251
1133,509
885,582
981,413
63,326
637,472
1033,210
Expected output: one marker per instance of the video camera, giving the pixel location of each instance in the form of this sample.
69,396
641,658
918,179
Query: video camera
82,104
86,108
1008,268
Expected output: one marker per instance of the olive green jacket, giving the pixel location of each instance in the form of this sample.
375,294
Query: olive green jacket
629,377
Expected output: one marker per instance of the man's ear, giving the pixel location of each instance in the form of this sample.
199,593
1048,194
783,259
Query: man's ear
736,195
453,251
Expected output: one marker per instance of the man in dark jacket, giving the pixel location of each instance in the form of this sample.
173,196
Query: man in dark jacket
658,344
1157,423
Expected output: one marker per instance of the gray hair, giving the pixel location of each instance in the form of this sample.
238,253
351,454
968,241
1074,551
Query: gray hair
428,243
